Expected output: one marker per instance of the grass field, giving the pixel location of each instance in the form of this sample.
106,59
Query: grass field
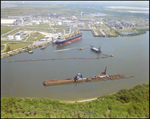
14,46
43,25
102,27
13,32
60,26
111,33
2,47
5,29
34,9
36,36
4,42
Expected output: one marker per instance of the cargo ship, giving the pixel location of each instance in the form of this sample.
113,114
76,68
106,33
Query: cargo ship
62,40
96,50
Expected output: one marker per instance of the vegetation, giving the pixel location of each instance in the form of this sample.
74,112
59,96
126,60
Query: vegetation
36,36
36,9
127,103
2,47
8,49
5,29
137,31
18,45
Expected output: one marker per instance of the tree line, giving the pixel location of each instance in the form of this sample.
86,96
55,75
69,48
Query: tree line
126,103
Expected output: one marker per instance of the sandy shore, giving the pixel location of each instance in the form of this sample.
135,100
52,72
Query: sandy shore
87,100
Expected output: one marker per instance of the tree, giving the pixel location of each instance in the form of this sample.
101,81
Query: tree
8,49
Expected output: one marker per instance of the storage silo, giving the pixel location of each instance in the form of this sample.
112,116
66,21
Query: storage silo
10,37
17,37
53,31
63,31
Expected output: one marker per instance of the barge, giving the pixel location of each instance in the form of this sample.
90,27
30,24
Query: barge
78,79
97,50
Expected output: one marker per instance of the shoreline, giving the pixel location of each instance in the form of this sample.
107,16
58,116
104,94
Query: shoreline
85,100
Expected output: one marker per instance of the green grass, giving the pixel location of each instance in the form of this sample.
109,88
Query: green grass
110,33
4,42
5,29
34,9
43,25
14,46
36,36
13,32
60,26
126,103
2,47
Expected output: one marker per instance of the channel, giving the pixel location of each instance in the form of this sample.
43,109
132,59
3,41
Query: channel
25,79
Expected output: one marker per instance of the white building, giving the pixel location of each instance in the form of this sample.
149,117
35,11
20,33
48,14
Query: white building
7,21
74,18
97,22
35,22
17,37
59,23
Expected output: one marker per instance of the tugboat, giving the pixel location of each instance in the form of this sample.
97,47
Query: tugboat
96,50
80,48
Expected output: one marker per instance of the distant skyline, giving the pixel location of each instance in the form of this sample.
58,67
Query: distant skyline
115,3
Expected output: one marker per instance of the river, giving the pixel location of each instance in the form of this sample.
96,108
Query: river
25,79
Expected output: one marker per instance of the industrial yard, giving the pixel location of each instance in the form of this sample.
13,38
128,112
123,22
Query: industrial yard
33,29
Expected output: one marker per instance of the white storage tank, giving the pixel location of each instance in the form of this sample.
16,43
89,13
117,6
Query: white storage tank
53,32
63,31
10,37
17,37
59,23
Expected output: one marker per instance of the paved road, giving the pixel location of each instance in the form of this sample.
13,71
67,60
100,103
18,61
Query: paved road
3,38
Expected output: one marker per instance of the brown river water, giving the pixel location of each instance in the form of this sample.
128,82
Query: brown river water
25,79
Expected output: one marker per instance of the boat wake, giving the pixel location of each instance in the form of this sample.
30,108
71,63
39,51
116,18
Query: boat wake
67,49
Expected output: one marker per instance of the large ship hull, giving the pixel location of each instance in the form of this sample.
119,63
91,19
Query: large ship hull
69,40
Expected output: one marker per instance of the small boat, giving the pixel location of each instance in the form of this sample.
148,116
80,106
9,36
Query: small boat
43,47
80,48
30,52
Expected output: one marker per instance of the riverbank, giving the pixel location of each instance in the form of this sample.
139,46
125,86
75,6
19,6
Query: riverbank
126,103
23,49
114,32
